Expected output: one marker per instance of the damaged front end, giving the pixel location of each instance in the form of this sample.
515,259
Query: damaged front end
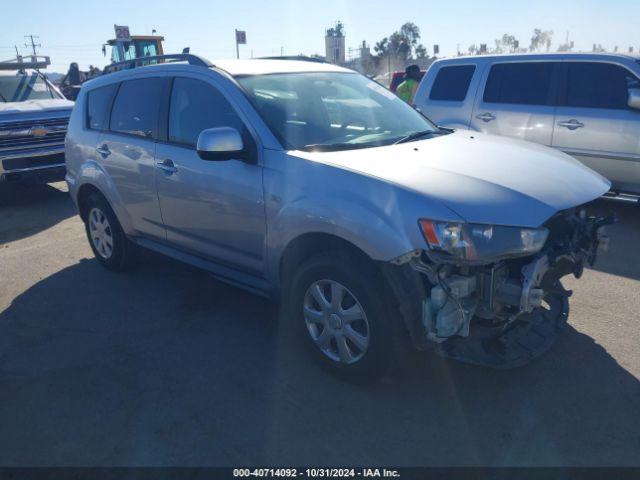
492,295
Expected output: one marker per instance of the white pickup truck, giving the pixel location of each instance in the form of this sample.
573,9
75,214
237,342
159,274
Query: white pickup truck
33,123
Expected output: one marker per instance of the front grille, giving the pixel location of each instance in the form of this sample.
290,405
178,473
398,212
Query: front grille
16,136
33,162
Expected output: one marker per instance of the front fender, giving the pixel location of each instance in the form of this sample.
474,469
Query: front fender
365,226
375,223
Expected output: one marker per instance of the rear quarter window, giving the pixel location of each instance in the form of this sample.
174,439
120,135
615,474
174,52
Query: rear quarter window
452,83
98,102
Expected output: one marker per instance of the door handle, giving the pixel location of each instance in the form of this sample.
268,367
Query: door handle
486,117
571,124
167,166
103,150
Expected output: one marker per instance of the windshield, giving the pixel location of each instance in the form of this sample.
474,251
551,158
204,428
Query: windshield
23,87
332,111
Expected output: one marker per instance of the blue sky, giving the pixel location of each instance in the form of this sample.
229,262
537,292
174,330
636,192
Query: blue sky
74,30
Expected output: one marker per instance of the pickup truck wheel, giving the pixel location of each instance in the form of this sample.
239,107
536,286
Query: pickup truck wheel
339,311
108,241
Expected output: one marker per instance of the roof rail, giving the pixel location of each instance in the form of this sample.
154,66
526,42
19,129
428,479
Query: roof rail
300,58
27,61
142,61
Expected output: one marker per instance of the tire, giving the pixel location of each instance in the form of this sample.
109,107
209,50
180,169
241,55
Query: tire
110,245
325,330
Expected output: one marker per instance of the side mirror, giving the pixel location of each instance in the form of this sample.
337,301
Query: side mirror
222,143
634,98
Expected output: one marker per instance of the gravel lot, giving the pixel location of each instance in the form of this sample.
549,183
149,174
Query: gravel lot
166,366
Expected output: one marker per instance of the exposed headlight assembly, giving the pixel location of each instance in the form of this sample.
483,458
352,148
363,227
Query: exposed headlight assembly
477,243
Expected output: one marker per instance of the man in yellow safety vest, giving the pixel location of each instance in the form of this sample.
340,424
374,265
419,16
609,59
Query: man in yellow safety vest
407,89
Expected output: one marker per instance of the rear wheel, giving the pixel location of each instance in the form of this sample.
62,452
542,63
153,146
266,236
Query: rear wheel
108,241
340,311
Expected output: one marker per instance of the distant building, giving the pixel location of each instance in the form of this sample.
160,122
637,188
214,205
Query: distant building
365,51
335,45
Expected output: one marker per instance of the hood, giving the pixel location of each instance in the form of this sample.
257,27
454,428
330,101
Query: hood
483,178
35,106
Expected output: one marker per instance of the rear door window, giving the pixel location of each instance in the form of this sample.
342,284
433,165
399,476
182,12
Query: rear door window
452,83
98,102
135,109
527,83
598,85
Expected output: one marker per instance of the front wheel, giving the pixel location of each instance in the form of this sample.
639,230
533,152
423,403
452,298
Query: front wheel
341,312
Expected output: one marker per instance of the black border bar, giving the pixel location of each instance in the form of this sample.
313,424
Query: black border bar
404,473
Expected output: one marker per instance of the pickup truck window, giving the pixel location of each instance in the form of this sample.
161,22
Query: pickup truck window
98,102
21,87
598,85
525,83
135,109
332,111
452,83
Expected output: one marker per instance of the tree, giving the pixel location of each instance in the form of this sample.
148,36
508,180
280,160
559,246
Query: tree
337,31
540,38
401,44
506,44
411,33
381,47
473,49
421,51
565,47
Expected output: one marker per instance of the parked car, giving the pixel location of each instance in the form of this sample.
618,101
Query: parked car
33,123
587,105
310,183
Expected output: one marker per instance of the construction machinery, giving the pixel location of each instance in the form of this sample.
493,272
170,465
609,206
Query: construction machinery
130,47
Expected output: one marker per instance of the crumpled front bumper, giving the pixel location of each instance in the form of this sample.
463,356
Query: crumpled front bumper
513,345
503,314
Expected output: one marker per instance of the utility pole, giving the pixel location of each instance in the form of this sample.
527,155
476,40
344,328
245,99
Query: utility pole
17,53
33,45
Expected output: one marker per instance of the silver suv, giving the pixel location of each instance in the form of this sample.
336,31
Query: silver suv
587,105
311,183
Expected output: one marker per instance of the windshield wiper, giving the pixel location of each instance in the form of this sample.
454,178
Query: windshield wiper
415,136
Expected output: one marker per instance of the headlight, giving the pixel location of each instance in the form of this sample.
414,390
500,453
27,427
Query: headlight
473,243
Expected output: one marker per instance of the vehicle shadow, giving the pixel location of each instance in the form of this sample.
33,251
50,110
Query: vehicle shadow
27,210
166,366
623,256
